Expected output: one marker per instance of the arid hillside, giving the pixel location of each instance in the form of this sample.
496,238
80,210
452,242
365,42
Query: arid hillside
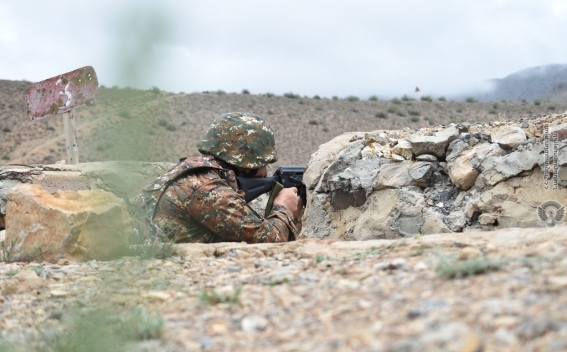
153,125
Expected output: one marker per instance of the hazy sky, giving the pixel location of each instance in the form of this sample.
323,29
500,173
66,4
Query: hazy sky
307,47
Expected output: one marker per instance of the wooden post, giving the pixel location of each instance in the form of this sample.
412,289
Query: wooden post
70,128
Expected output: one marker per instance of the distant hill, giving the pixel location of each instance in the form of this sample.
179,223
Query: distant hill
541,82
154,125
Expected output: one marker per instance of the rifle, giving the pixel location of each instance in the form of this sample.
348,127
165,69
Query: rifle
286,176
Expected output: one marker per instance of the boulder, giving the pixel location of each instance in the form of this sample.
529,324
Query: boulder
324,156
433,143
464,167
123,178
498,168
76,225
509,137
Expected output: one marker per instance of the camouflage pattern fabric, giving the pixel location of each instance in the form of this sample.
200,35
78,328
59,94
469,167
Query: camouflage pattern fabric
242,139
199,201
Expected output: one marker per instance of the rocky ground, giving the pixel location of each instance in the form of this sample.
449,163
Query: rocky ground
411,294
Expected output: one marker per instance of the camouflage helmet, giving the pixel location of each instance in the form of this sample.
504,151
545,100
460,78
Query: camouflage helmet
241,139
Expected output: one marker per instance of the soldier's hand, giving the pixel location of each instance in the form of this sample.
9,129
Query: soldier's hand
288,198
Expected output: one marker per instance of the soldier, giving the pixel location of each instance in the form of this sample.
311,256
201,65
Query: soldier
199,200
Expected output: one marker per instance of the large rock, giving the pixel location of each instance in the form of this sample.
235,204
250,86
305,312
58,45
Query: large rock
324,156
77,225
464,168
433,143
509,137
388,213
123,178
498,168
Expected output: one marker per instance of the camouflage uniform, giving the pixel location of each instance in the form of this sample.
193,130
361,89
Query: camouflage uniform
199,200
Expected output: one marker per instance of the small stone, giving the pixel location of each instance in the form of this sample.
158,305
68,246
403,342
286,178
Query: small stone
505,321
160,296
63,261
218,329
420,266
426,157
253,323
558,281
233,268
60,293
487,219
469,252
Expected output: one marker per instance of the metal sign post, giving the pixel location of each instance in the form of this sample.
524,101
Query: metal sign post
60,95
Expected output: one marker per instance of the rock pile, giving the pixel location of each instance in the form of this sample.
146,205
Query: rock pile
387,184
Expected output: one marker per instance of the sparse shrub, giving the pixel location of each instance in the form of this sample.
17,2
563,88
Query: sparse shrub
396,101
352,98
450,267
7,129
400,113
319,108
335,97
492,112
459,110
495,106
155,90
442,98
470,100
270,112
551,107
355,110
313,122
103,146
301,102
414,119
11,106
523,101
373,98
392,110
245,91
405,97
381,115
269,95
537,102
220,92
212,297
325,129
162,122
413,112
316,97
125,114
503,101
426,98
171,127
5,157
291,95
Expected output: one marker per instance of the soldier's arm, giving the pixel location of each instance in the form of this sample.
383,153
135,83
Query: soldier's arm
224,211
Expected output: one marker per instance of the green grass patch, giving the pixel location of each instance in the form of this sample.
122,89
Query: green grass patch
101,330
212,297
450,267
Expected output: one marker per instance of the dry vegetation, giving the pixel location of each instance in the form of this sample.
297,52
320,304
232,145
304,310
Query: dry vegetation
152,125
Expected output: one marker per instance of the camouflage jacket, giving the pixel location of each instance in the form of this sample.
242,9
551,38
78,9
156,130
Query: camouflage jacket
199,201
